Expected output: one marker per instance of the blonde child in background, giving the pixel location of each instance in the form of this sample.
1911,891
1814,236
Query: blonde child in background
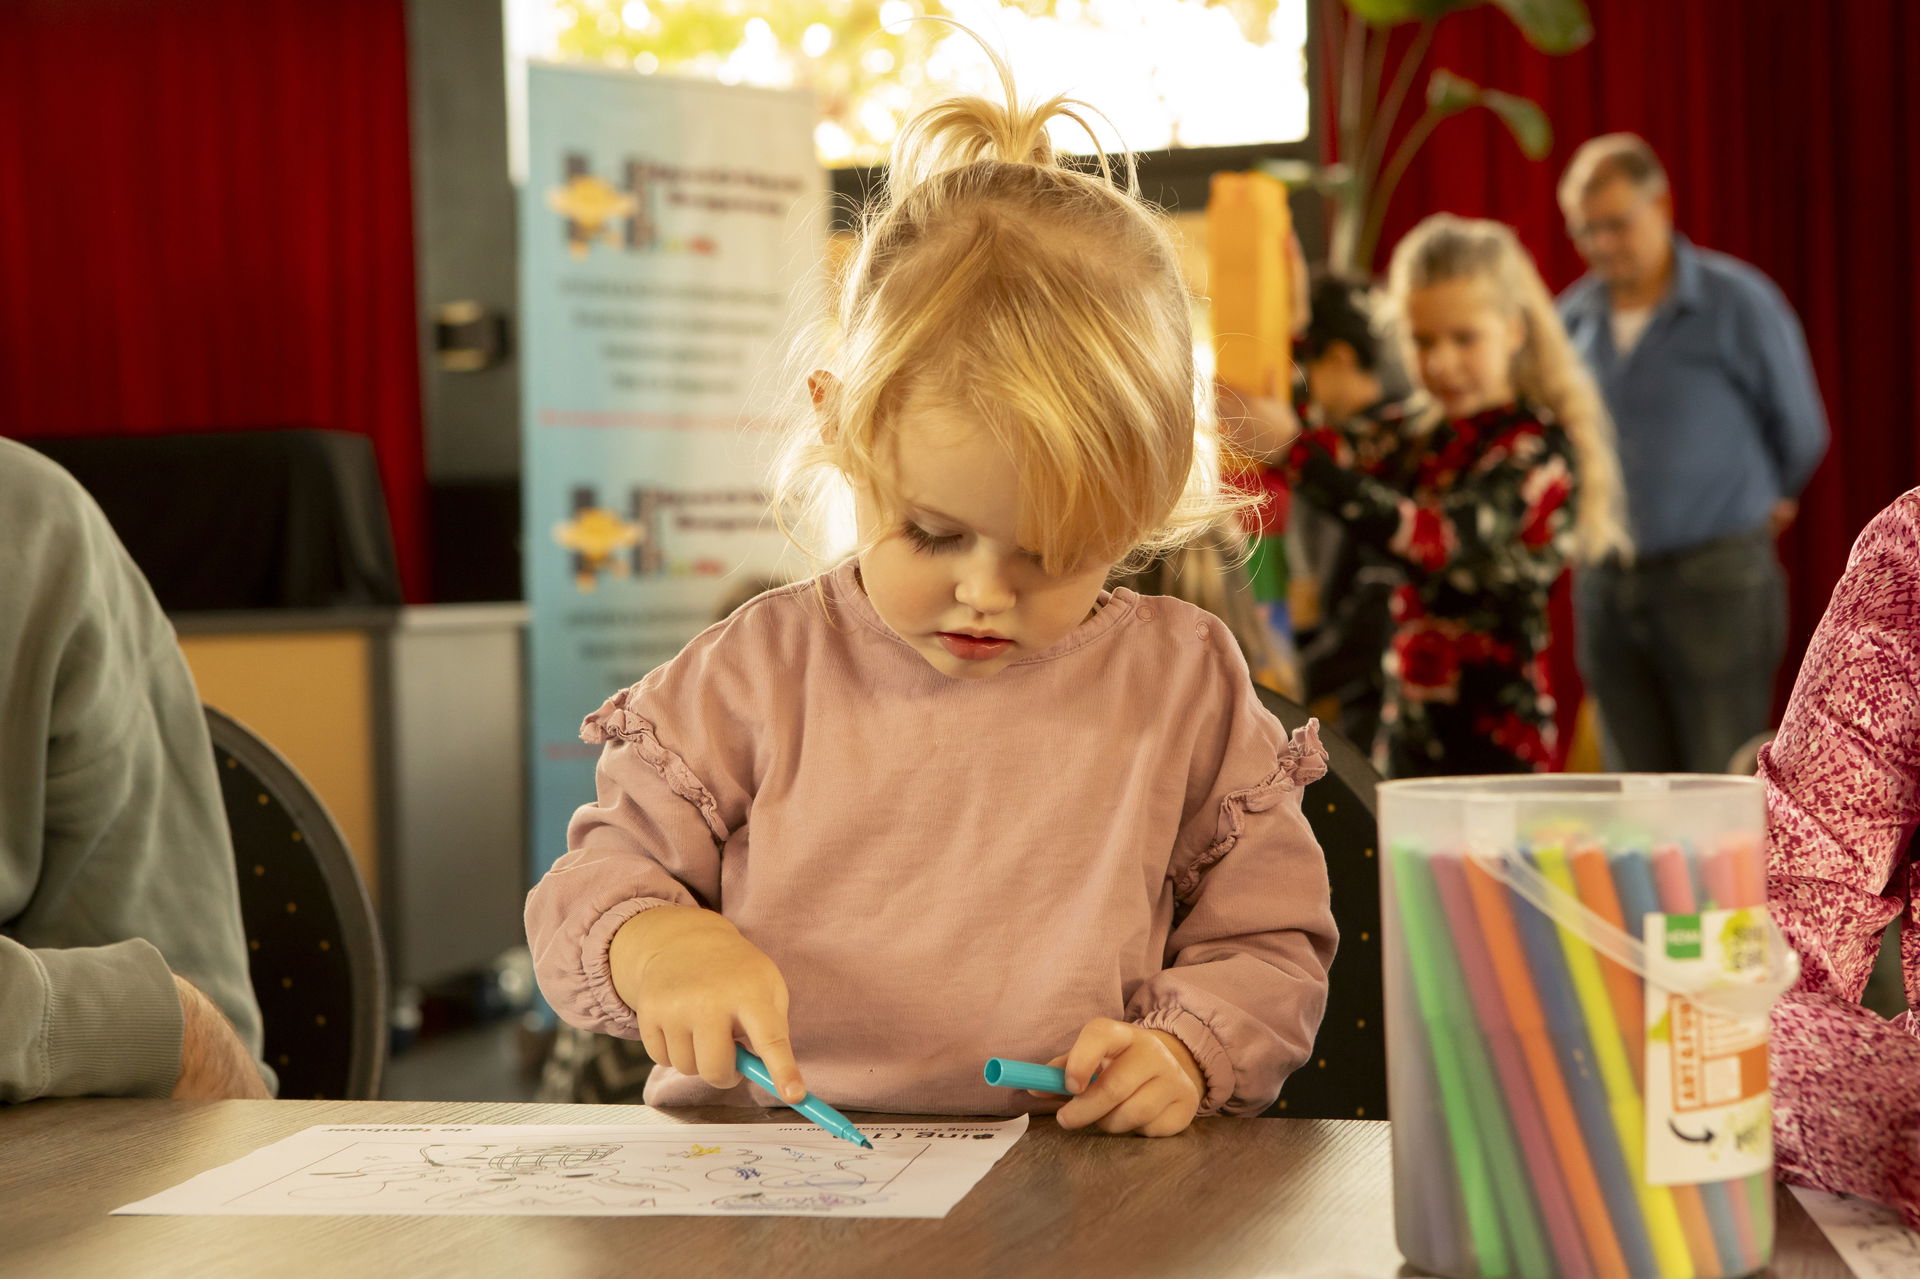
952,800
1507,476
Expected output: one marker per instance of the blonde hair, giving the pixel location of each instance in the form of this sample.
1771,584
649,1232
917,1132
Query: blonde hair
1546,370
1042,301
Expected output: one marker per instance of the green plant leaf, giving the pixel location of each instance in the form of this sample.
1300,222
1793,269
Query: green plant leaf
1524,119
1325,178
1551,26
1387,13
1450,94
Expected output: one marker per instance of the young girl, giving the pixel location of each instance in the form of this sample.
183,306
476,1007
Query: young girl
1482,502
952,800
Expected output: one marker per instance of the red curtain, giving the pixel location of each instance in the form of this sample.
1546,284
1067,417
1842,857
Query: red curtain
1792,134
206,224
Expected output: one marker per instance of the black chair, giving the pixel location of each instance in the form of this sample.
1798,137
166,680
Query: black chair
1346,1078
314,945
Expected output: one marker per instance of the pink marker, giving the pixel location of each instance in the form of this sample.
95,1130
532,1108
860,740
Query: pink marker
1556,1206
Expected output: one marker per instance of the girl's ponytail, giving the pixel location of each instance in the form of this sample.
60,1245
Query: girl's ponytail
962,131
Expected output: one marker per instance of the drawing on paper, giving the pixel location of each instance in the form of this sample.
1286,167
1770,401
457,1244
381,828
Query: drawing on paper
606,1175
701,1170
1871,1238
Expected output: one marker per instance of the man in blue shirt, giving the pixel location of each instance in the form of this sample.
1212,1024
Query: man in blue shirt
1705,371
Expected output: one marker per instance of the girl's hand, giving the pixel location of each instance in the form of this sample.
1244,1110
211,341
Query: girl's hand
1263,425
696,985
1148,1082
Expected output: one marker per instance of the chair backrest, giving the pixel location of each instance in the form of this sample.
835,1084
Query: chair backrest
314,943
1346,1078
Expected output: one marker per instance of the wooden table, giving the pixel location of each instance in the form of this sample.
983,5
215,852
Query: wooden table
1307,1198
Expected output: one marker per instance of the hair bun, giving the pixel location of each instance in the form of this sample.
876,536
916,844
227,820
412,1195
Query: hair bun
957,132
961,131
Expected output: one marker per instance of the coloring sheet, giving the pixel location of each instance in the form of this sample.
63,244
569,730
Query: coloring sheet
1869,1237
686,1170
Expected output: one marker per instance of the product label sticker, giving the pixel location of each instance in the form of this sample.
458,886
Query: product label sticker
1709,1112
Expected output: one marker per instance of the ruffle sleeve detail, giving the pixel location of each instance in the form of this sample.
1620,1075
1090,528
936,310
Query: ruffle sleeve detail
617,720
1300,763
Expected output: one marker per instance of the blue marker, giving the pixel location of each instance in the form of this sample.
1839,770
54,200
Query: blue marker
810,1106
1004,1072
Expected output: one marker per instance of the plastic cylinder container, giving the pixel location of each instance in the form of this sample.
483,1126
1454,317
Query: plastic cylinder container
1578,971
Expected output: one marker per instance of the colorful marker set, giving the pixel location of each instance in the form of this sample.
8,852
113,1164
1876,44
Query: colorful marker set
1517,1049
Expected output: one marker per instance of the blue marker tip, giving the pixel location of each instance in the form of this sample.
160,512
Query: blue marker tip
810,1106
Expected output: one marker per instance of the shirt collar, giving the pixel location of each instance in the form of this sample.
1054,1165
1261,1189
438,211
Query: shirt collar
1591,296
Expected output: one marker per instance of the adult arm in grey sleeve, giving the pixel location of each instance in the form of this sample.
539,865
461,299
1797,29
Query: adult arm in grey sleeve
116,867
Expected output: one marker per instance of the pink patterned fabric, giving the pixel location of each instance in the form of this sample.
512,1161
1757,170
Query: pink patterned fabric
1843,803
951,870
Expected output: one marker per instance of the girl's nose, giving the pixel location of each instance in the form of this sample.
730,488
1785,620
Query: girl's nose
983,585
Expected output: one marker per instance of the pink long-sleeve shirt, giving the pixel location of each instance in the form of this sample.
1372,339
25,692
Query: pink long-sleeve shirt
1843,803
951,870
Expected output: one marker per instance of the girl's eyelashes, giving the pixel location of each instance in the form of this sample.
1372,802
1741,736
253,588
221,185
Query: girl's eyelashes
929,543
938,543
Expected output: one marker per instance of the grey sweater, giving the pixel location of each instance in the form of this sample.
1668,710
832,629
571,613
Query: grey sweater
116,868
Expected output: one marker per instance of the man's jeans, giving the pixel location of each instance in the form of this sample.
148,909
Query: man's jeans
1680,651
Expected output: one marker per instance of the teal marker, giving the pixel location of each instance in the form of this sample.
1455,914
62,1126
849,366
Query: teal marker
1004,1072
810,1106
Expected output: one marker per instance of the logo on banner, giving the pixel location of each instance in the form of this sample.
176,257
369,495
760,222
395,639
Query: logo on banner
604,543
622,217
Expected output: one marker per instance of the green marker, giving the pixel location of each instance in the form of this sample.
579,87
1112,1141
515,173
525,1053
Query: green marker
1416,893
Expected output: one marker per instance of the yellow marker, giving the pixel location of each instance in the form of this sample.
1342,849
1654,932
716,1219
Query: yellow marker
1664,1232
1252,299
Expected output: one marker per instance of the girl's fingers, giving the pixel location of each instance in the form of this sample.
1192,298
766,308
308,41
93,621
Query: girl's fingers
1174,1119
680,1053
766,1031
1056,1063
713,1041
1100,1039
1138,1110
1119,1079
656,1044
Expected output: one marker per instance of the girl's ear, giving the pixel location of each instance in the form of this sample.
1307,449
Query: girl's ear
822,388
820,385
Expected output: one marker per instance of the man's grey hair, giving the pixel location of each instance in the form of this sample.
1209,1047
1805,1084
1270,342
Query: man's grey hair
1611,156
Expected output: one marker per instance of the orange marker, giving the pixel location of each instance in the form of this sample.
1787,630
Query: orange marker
1530,1023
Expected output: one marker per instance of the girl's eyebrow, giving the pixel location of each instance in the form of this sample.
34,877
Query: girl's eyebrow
919,509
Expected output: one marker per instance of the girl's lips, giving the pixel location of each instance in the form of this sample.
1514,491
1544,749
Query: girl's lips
973,648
